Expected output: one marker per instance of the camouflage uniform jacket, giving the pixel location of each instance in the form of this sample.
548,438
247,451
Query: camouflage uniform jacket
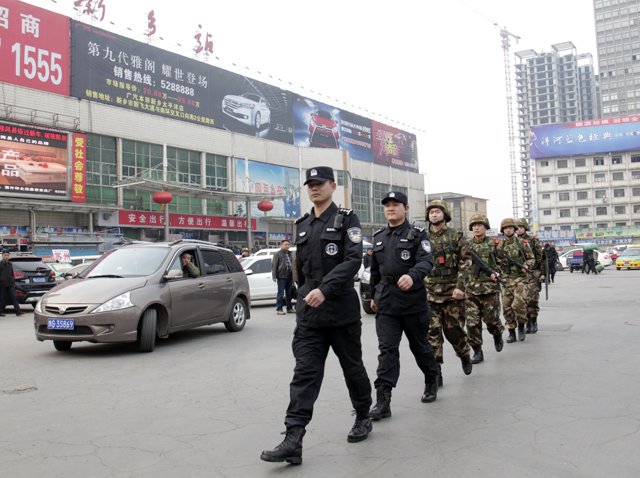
451,264
518,249
480,283
534,242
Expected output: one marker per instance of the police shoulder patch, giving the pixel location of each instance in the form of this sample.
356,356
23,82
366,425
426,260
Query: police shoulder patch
426,245
355,234
378,231
302,218
346,212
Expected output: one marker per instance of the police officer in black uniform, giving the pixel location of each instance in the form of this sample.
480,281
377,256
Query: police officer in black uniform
401,260
328,256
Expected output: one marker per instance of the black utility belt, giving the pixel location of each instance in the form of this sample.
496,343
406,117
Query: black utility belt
389,279
314,284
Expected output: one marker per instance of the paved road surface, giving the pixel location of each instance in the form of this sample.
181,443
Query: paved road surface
564,403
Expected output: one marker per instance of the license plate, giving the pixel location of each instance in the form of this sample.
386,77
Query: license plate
627,264
63,324
39,279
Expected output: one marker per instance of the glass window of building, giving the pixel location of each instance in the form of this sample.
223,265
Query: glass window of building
401,189
563,180
583,226
599,178
141,160
216,172
379,191
565,228
635,159
583,211
620,209
601,211
601,193
342,177
618,193
620,224
635,174
546,180
183,166
582,195
101,170
616,160
602,224
548,228
182,205
562,163
544,163
565,212
564,197
598,161
361,198
636,191
581,179
636,208
217,208
617,176
546,196
547,212
580,163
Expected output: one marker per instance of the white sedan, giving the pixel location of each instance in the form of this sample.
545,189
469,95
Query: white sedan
599,256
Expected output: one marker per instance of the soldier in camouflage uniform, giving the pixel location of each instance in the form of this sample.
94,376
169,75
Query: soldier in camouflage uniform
483,292
514,306
534,286
446,285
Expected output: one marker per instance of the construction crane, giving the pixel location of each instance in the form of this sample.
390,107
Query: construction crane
506,45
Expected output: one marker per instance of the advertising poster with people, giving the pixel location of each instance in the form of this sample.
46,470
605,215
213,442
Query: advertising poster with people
254,177
394,147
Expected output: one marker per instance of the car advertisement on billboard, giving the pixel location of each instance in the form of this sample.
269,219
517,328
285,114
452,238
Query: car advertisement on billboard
318,125
254,177
394,147
34,47
33,162
585,137
116,70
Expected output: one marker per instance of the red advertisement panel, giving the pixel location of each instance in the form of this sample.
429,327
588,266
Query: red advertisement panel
183,221
79,168
394,147
34,47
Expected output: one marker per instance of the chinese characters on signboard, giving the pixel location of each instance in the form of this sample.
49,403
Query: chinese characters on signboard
191,221
78,168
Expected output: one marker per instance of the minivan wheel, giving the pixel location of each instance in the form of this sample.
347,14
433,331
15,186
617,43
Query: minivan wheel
147,334
62,345
238,316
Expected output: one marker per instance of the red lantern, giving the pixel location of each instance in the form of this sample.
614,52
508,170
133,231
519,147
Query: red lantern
265,206
162,197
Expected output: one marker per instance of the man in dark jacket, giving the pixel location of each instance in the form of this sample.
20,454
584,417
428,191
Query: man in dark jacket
8,285
552,260
282,273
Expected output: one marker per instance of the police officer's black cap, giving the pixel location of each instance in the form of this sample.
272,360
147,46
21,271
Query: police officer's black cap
321,173
397,196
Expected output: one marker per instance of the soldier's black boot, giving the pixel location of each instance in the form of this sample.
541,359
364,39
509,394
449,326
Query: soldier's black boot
534,325
361,427
527,327
512,336
430,389
478,356
498,342
440,382
290,450
382,409
521,332
467,366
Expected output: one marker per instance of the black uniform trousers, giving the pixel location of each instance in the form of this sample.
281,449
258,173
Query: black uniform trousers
310,348
389,329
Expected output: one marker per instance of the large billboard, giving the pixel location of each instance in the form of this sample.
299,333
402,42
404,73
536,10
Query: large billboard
34,47
119,71
394,147
255,177
33,162
585,137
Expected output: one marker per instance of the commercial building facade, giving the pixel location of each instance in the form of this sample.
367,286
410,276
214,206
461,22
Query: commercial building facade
462,208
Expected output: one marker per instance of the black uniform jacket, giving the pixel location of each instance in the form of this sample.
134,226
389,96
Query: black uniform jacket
328,258
394,256
6,274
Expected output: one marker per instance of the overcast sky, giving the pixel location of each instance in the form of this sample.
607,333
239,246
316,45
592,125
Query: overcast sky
436,66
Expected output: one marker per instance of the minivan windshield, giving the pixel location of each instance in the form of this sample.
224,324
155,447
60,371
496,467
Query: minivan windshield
128,262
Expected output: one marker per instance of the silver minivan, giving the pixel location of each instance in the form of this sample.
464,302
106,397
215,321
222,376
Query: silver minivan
143,290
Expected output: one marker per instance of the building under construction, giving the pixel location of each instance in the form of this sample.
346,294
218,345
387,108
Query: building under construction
551,87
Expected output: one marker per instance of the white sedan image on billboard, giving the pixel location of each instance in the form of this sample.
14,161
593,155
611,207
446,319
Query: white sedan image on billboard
250,109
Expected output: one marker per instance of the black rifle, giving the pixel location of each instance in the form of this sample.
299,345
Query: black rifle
487,268
546,275
513,262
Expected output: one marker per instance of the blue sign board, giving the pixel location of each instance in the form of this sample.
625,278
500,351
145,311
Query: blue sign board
556,235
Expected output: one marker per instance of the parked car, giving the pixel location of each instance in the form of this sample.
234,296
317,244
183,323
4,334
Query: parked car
73,272
365,291
58,268
613,253
629,259
250,109
33,278
599,256
271,251
323,130
258,271
137,293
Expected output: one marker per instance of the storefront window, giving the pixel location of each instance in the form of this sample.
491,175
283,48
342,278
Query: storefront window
183,166
362,200
216,172
141,160
101,170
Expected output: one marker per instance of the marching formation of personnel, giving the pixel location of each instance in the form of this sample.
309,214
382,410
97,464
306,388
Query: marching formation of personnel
427,284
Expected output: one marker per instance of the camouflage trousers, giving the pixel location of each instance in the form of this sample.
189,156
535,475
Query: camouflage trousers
532,298
448,318
485,308
514,307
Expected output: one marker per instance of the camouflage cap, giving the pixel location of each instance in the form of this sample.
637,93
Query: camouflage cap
508,222
523,223
479,219
442,205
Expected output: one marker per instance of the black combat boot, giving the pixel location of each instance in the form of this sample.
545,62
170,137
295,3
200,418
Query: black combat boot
361,427
521,332
498,342
440,382
512,336
382,409
478,356
467,366
534,325
430,389
527,328
290,450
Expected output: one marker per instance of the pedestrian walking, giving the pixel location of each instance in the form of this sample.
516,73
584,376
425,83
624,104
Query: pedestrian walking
400,261
533,288
552,261
8,285
328,256
282,274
